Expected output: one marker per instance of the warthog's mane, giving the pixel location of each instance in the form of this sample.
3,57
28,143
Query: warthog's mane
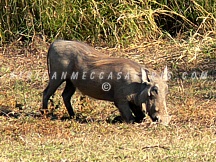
114,61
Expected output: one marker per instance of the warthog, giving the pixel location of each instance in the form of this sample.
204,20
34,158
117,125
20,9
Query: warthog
124,82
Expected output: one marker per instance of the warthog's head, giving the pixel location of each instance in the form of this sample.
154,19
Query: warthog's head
155,96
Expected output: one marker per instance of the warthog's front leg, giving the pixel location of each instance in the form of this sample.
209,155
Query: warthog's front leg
137,111
125,111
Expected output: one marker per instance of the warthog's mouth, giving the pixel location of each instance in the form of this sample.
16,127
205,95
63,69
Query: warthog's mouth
155,117
163,119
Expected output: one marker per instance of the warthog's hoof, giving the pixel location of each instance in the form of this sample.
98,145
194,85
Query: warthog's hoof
44,111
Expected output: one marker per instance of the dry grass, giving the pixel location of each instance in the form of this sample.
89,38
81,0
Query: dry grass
27,136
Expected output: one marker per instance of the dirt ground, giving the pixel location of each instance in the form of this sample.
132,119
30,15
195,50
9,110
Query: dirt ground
25,135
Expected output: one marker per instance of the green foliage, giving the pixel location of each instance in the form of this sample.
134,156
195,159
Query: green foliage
106,22
184,15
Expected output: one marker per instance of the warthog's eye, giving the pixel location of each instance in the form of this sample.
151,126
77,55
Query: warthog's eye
153,91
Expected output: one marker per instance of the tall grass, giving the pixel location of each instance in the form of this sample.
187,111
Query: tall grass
106,22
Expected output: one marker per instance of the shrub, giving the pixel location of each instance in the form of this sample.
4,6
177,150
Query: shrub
106,22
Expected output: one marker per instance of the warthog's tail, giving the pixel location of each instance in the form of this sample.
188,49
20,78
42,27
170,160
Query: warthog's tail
48,63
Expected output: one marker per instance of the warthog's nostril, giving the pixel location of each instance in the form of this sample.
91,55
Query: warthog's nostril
163,119
157,118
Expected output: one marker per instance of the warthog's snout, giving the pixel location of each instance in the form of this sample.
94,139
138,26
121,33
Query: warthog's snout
163,119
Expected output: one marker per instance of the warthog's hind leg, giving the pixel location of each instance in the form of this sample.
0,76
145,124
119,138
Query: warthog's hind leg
67,94
125,112
49,91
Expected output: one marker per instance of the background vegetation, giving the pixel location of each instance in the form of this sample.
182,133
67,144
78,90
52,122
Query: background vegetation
178,33
106,22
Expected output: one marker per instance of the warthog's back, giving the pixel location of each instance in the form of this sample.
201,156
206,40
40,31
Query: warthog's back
63,54
65,47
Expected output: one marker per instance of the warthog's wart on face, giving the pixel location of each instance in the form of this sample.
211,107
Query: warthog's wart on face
126,83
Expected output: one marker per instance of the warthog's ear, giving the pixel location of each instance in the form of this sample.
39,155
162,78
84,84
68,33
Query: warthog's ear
165,74
144,76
